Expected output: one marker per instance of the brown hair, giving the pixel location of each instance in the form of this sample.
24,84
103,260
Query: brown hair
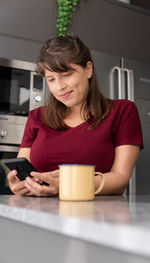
56,55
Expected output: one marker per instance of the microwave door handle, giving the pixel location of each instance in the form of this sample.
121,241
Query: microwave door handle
120,80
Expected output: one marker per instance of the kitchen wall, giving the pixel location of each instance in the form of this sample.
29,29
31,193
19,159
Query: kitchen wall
24,25
113,29
104,26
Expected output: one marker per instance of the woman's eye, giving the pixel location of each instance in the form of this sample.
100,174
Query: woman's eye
67,74
50,80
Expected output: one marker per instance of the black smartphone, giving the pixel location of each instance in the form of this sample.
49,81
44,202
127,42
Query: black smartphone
22,165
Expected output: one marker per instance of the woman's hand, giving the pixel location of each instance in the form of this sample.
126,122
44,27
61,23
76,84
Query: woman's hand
17,187
36,189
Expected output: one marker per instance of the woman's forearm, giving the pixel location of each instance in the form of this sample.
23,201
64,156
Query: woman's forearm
117,179
113,184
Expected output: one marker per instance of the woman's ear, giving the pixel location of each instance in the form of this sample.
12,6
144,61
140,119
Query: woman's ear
89,68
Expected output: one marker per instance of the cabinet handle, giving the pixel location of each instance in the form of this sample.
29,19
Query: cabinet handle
121,83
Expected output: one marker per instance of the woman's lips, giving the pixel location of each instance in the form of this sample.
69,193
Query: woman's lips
66,95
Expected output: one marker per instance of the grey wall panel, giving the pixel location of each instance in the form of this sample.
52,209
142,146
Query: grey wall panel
112,29
102,25
17,48
24,25
31,19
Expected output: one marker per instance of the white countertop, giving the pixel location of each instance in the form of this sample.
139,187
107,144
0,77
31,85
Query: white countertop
111,221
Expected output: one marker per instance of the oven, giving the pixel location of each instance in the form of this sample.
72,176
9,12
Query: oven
21,90
20,86
6,152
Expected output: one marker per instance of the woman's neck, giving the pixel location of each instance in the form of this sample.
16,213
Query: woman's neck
75,117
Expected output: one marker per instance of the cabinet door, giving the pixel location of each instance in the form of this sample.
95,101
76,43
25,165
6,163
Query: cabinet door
104,63
144,4
112,28
30,19
19,48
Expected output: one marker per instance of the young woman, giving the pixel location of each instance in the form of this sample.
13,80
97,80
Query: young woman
78,125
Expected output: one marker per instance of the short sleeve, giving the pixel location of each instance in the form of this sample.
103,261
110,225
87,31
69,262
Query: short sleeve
29,132
128,126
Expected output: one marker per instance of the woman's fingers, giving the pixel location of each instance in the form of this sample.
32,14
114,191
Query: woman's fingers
24,192
46,177
16,186
42,190
37,180
35,189
34,186
12,177
54,174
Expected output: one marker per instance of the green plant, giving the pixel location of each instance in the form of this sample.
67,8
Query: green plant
64,15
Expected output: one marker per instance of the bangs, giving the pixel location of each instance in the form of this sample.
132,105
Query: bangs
54,63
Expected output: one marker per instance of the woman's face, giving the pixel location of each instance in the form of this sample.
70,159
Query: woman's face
70,87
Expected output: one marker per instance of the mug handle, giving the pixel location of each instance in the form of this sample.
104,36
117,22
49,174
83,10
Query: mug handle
102,183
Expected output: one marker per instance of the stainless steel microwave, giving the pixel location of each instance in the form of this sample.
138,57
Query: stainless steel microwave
21,90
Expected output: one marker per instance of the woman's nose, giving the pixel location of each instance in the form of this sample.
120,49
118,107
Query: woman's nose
60,85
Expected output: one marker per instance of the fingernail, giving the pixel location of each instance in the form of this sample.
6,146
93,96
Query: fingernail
27,179
32,174
36,179
26,185
14,172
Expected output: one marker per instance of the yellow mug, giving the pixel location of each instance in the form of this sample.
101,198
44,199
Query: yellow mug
76,182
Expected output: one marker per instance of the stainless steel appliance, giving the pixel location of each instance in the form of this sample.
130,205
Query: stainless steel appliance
21,90
6,152
125,78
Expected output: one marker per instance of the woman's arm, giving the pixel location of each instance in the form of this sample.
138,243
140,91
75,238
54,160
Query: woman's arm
24,152
33,186
117,179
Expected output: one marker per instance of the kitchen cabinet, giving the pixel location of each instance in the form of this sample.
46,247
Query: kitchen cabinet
113,28
141,3
24,25
30,19
138,5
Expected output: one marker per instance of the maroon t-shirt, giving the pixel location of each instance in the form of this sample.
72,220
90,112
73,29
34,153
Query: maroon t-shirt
78,145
